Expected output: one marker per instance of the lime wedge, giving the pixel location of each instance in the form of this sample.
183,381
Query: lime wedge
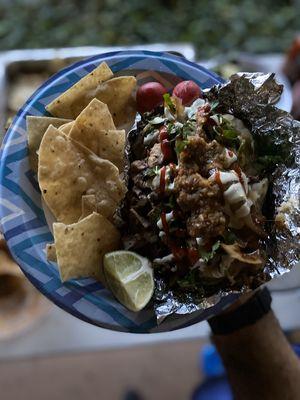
130,278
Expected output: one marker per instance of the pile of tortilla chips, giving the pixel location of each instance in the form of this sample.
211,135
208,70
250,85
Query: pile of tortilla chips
78,155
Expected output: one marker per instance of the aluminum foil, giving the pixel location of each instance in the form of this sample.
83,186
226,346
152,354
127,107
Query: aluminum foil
252,98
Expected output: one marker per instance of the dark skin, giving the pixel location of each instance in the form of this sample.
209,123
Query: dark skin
259,361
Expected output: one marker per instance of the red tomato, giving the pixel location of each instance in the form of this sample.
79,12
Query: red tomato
163,133
149,96
187,91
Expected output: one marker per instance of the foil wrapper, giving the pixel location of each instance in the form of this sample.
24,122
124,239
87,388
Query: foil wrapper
252,98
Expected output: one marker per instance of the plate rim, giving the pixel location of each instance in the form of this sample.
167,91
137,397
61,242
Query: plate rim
189,320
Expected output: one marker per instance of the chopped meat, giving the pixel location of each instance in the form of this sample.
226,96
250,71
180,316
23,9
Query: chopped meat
138,219
136,142
138,240
201,200
140,182
202,114
193,190
155,156
202,156
139,199
137,166
202,118
175,210
208,223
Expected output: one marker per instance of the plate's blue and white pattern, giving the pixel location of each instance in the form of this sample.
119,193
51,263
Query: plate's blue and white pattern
22,217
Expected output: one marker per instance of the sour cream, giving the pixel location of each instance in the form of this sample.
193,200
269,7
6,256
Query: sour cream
229,157
235,194
169,218
156,182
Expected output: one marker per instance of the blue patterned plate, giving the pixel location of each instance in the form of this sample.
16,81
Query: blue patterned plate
22,217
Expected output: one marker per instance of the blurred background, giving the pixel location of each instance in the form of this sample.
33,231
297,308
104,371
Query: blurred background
48,352
212,26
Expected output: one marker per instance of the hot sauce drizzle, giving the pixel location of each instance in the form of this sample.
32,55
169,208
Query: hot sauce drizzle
218,179
162,180
165,145
238,171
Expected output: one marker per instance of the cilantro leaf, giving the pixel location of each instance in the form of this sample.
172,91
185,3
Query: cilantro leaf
188,129
174,129
180,145
168,102
152,171
226,133
208,255
214,105
230,133
227,137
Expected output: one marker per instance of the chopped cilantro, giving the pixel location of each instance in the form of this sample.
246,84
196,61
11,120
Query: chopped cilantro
168,102
180,145
188,129
208,255
171,128
226,133
174,130
230,133
214,105
228,136
152,171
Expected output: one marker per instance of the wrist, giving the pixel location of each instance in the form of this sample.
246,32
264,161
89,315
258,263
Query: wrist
245,312
244,298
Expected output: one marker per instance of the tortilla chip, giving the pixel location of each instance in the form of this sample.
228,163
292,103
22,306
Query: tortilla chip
94,129
95,116
80,247
51,252
119,95
70,103
112,147
36,127
67,171
66,128
89,205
